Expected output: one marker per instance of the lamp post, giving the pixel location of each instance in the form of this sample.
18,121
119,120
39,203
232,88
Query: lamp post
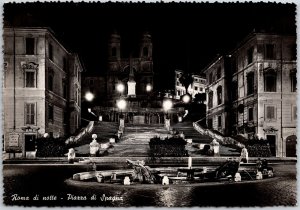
148,87
89,96
120,88
186,98
167,105
121,104
148,90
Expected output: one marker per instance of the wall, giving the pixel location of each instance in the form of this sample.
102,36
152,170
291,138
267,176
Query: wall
23,95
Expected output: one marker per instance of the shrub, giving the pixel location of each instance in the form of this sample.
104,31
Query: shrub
169,147
50,147
258,148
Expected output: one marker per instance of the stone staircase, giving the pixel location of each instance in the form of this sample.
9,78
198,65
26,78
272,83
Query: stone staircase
190,133
105,130
135,140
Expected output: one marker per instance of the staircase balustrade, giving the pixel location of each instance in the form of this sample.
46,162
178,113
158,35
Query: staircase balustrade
221,139
87,130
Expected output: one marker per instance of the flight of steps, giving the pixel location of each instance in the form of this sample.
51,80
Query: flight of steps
105,130
190,133
135,140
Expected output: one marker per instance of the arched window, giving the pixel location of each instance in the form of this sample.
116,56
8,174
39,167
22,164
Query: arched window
145,51
270,79
219,94
114,51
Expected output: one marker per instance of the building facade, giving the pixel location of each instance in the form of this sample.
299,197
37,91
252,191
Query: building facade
197,86
41,88
217,96
134,73
256,97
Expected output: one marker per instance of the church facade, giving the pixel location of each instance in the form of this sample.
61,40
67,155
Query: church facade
129,78
135,74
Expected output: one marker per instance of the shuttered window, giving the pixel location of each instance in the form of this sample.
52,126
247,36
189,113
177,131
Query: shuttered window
30,113
270,113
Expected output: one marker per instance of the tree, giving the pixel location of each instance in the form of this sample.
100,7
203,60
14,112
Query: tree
186,79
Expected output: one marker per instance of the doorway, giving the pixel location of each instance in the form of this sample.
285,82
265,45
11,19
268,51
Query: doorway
30,142
272,142
291,145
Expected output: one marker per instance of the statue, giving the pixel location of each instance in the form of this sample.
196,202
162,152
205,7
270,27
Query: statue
141,172
227,169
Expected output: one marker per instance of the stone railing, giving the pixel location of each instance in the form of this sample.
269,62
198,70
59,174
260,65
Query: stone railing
87,130
222,139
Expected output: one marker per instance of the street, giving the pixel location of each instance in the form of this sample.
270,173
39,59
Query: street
46,183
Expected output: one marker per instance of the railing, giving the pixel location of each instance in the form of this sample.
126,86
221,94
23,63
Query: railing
222,139
87,130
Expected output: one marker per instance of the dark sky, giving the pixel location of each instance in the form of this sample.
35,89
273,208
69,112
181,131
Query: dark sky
185,36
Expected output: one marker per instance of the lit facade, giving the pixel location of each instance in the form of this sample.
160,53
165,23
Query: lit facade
41,88
197,86
258,94
217,96
135,73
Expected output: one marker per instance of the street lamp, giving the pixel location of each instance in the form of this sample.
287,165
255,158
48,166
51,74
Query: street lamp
120,88
89,96
148,87
121,104
186,98
167,104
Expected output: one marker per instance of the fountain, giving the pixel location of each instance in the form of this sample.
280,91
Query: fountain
140,174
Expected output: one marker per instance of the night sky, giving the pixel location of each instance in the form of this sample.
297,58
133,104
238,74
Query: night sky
185,36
